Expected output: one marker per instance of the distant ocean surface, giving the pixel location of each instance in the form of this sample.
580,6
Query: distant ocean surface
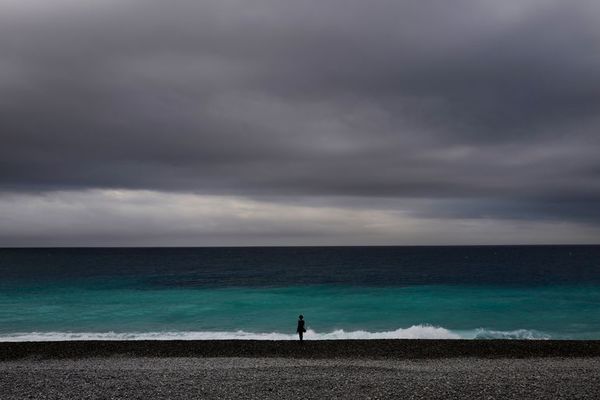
532,292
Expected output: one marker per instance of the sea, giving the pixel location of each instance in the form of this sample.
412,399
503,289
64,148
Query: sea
424,292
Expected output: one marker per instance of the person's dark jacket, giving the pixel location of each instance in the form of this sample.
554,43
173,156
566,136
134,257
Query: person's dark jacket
300,327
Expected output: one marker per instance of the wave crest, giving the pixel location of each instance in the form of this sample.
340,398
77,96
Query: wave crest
516,334
413,332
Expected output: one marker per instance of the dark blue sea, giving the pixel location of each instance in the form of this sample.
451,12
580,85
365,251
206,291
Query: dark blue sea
533,292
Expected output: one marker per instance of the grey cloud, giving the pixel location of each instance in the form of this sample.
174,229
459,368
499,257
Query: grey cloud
146,218
495,105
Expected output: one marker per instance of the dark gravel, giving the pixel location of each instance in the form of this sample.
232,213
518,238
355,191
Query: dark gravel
276,378
371,349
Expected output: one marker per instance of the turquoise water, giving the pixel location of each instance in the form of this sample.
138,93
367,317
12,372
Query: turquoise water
556,312
162,304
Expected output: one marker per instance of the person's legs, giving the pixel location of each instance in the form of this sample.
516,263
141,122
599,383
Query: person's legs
300,335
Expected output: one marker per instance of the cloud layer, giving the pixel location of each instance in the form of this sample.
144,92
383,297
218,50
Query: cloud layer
148,218
474,110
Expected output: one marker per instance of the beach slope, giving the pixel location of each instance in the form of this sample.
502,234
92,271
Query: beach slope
421,369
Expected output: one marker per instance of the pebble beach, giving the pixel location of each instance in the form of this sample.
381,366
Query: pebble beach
312,370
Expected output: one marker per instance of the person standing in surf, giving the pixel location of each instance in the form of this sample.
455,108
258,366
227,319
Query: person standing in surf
300,328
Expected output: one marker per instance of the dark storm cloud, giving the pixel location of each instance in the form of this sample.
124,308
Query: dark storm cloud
490,106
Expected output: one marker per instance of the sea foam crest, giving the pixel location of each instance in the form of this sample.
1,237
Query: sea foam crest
413,332
516,334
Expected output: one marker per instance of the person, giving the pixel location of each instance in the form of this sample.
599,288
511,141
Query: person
301,329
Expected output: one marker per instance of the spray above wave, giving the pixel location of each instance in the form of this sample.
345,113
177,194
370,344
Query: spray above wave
413,332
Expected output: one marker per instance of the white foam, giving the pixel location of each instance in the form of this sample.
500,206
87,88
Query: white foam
516,334
413,332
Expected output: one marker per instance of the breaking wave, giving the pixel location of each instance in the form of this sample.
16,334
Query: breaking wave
516,334
413,332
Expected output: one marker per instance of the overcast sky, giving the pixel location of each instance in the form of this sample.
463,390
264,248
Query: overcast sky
333,122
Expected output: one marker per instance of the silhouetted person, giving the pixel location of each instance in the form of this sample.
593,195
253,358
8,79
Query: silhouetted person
300,329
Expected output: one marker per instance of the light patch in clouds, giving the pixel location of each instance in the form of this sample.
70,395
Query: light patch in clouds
151,218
